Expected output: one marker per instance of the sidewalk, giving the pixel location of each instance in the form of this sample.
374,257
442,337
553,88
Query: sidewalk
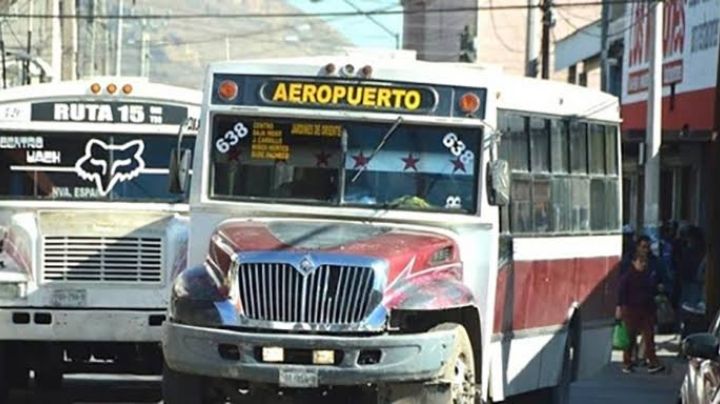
613,386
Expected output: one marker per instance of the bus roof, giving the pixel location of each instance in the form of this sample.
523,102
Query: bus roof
141,89
508,91
119,104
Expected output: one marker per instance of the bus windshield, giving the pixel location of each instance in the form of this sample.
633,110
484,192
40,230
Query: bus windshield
345,163
86,166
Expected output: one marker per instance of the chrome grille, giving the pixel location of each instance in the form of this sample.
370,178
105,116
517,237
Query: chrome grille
108,259
331,294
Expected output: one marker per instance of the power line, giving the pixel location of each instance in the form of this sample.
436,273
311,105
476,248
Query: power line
186,16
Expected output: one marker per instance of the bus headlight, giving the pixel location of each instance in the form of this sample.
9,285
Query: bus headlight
12,290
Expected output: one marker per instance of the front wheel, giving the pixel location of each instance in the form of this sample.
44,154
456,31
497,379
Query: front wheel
181,388
460,372
455,386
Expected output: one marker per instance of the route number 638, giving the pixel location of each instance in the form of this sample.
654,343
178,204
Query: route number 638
231,137
458,148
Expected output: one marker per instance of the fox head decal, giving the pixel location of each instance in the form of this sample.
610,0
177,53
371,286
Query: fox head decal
107,165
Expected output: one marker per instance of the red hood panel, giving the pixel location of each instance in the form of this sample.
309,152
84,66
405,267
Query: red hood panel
398,247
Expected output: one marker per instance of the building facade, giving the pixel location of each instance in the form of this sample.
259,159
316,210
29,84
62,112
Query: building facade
499,31
689,123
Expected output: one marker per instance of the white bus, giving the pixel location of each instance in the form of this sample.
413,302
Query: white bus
353,224
90,234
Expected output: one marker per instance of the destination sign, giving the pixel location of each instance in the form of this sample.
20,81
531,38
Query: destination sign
368,96
109,112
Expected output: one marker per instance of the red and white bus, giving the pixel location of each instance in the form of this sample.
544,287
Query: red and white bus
350,226
89,233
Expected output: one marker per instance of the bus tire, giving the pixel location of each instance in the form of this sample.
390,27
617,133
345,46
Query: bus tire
181,388
4,386
460,372
48,378
455,386
15,367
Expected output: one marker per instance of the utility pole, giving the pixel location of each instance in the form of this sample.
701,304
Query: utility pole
26,63
69,42
653,133
119,40
531,39
93,37
56,58
547,24
2,55
604,63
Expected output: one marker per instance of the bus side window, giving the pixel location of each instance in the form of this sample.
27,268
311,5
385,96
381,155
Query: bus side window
597,149
611,150
578,148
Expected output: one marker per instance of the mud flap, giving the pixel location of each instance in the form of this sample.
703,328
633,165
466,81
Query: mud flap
415,393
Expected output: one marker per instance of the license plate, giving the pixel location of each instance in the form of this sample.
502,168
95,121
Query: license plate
69,298
298,378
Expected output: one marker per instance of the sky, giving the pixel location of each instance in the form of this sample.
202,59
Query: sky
360,31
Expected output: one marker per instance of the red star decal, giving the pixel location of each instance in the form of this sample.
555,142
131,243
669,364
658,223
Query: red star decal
458,165
360,160
410,162
322,159
234,154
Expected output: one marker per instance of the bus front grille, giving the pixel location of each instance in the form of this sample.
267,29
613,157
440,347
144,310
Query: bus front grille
102,259
331,294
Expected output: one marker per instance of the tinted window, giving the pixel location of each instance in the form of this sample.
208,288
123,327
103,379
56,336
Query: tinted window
612,204
540,139
518,139
520,207
580,204
561,203
598,199
559,146
597,149
542,206
611,150
74,165
305,161
578,147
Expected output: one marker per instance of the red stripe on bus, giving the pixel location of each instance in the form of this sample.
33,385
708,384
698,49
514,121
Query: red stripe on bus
533,294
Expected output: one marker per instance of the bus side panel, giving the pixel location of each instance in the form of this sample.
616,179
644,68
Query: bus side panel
536,295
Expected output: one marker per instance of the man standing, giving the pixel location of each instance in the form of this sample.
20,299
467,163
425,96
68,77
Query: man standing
636,308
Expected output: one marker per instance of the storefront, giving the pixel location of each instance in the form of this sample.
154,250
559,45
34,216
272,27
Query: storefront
690,59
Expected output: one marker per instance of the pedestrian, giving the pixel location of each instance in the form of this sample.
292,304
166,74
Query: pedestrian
656,265
636,308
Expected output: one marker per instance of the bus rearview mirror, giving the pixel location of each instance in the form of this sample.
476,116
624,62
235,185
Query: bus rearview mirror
179,171
498,182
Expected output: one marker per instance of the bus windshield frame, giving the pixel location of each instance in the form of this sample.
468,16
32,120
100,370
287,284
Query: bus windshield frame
351,162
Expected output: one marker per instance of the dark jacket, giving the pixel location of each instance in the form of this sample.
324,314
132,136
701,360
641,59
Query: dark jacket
638,289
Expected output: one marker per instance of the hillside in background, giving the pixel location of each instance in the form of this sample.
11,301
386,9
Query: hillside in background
180,49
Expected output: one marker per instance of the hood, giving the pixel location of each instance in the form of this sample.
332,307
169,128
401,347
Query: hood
102,224
405,251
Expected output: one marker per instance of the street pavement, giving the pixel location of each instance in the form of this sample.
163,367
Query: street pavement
613,386
609,386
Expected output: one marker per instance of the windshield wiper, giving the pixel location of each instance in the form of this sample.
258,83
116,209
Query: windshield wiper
379,146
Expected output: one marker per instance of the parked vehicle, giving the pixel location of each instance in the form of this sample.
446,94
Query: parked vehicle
702,380
89,234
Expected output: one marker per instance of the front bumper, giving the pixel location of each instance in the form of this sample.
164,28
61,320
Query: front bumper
404,357
105,325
